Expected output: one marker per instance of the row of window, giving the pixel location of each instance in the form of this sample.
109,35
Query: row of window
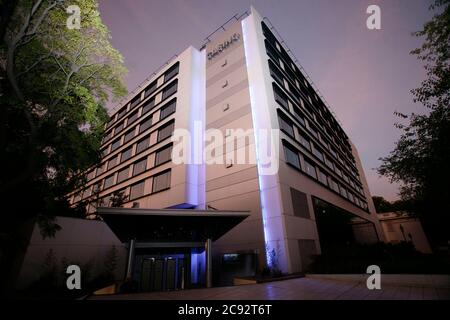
163,133
150,89
147,106
161,156
297,101
287,126
159,182
278,55
145,124
306,165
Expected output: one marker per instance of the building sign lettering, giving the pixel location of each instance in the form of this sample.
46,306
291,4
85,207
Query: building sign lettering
224,45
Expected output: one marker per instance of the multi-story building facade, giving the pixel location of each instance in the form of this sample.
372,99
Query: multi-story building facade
244,77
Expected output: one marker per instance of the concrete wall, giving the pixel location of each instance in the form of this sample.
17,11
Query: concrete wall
392,224
79,241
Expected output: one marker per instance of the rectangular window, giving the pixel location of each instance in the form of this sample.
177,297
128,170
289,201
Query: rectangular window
313,131
105,152
305,142
128,136
99,171
137,190
334,185
149,105
107,136
170,90
135,101
122,112
322,177
118,129
132,118
139,166
286,126
126,154
163,155
299,116
123,174
151,88
280,97
310,169
333,152
167,110
112,162
91,175
147,123
338,171
343,191
109,181
115,144
329,163
350,196
291,156
165,132
317,153
275,73
161,181
172,72
142,145
300,204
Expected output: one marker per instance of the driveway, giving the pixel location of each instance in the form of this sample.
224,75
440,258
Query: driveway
315,287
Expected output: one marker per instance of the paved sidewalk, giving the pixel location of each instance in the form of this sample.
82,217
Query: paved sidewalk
309,288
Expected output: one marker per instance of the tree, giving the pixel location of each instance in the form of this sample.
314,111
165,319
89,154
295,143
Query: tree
55,82
118,198
421,157
381,204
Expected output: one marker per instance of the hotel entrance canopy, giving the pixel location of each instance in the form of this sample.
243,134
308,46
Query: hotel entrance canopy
170,228
170,225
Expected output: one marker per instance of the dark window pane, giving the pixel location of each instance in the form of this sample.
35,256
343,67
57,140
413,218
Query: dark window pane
286,126
115,145
310,169
137,190
122,112
149,105
300,204
109,181
126,154
140,166
112,162
317,153
170,90
132,118
291,157
322,177
305,142
280,97
142,145
163,155
165,132
129,135
118,129
123,174
147,123
299,116
150,89
167,110
173,71
161,181
135,101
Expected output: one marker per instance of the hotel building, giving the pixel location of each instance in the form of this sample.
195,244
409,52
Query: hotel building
180,221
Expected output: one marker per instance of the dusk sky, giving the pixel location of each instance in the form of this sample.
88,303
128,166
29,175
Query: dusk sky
365,75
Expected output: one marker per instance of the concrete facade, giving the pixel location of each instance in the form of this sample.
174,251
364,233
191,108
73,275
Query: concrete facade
243,78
